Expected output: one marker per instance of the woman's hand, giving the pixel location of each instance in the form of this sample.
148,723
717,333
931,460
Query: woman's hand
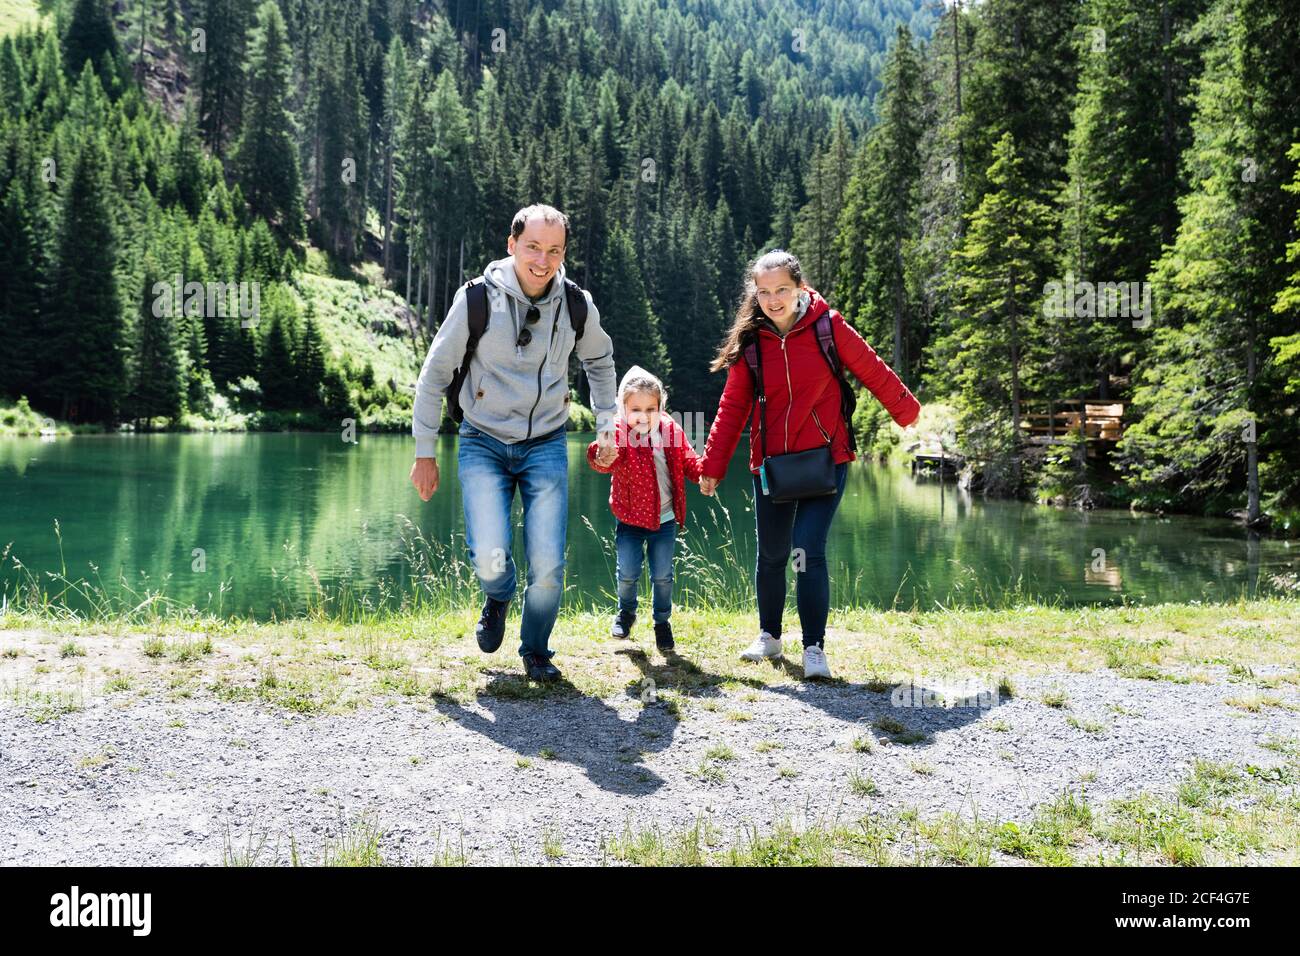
708,485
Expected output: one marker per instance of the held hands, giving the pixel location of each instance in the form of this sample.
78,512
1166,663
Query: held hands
708,485
424,475
606,450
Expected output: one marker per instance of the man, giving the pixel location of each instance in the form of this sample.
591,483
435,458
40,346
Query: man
515,400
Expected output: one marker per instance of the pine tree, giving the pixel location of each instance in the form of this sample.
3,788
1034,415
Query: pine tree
989,354
1286,348
1024,67
275,367
1131,124
698,324
184,180
13,87
266,156
785,207
20,294
199,387
221,74
84,370
158,373
879,219
89,36
626,314
310,365
341,133
1209,405
396,100
816,228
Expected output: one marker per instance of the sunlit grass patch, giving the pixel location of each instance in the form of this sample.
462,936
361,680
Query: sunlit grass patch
1086,725
862,786
1056,698
1254,703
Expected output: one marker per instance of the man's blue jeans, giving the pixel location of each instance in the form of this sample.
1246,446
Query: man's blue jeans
490,470
631,542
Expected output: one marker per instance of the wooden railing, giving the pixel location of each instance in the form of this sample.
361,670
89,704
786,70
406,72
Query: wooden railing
1100,421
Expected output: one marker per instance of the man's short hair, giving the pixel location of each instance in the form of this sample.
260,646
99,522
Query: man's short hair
547,214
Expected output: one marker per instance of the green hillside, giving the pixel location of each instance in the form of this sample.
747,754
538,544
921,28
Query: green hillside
15,14
334,152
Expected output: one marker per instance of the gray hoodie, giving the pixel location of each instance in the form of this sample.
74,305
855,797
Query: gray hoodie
513,393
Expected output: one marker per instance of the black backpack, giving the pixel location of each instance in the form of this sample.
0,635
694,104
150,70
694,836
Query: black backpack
826,345
476,306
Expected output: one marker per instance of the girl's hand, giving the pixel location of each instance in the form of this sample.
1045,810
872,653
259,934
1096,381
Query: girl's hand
708,485
606,451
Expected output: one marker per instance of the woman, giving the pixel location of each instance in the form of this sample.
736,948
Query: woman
779,312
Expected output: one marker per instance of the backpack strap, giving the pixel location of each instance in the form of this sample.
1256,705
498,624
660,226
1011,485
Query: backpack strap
476,310
826,341
754,359
749,349
577,305
825,329
477,305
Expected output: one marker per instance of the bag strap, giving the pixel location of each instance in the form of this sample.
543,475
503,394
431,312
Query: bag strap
826,341
476,306
825,329
754,359
476,310
577,305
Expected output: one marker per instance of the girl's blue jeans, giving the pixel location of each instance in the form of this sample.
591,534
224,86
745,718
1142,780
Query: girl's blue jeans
632,544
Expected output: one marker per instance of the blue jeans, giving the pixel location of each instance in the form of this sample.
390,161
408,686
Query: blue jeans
490,470
631,542
802,525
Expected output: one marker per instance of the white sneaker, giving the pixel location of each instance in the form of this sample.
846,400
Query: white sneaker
814,663
765,645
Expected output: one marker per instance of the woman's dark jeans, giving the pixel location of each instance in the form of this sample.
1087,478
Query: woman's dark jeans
802,526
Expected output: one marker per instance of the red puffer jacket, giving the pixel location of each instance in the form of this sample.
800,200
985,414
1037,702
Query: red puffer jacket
634,489
795,365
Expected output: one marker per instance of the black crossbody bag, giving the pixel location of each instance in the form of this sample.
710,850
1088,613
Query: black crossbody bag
794,475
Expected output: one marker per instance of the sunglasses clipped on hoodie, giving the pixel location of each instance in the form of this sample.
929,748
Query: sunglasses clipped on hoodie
533,316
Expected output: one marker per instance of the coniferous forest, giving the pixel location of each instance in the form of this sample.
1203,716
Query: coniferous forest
1024,205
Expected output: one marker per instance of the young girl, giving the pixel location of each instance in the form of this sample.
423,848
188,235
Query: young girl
648,497
784,318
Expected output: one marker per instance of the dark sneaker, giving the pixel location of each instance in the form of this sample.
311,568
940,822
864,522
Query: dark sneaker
491,628
538,668
664,636
623,624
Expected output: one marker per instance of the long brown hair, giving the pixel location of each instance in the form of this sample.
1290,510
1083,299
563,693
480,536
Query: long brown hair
749,314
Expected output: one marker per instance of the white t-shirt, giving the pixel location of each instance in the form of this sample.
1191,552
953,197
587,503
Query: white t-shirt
665,480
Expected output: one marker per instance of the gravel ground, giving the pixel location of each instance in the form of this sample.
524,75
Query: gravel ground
171,782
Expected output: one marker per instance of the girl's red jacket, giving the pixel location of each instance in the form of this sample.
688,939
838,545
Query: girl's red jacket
801,393
634,488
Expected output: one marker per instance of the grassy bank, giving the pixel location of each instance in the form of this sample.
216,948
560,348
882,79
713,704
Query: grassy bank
52,665
317,665
18,419
1205,825
416,638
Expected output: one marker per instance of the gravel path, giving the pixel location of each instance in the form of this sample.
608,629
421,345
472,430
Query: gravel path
156,782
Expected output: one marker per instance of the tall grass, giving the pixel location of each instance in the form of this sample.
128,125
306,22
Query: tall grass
55,595
713,570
